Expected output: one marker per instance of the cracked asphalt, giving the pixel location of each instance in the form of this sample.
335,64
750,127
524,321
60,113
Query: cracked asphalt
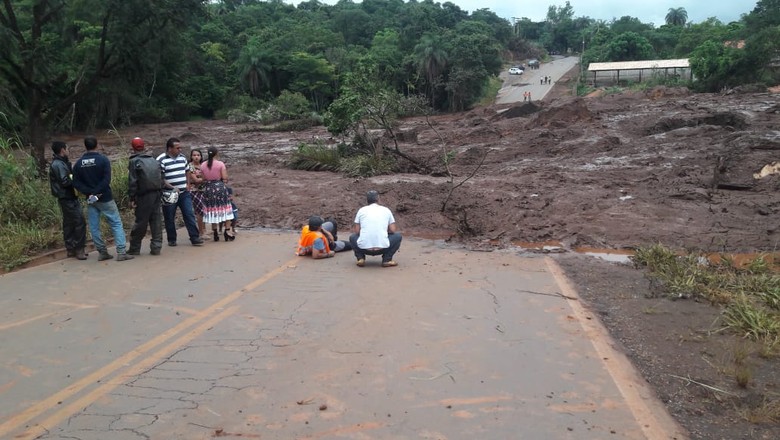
245,340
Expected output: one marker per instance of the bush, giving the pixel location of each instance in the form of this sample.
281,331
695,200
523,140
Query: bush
29,215
315,158
367,165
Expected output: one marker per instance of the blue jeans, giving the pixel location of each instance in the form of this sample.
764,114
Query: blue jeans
187,212
111,213
386,253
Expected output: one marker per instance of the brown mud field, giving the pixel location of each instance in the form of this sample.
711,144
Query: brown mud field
608,172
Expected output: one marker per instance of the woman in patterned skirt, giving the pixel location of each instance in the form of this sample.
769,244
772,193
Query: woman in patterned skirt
216,201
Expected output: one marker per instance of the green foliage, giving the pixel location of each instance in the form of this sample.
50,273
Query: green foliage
750,293
29,215
629,46
717,66
490,92
291,105
317,157
366,165
677,17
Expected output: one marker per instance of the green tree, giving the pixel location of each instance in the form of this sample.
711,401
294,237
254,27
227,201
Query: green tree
54,52
255,64
716,65
629,46
765,14
431,58
677,16
313,77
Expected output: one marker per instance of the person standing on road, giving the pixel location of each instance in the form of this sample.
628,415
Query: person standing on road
74,227
175,169
195,184
216,200
92,177
144,187
374,232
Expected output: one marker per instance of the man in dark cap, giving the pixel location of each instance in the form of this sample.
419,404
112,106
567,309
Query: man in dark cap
144,187
375,232
74,227
315,240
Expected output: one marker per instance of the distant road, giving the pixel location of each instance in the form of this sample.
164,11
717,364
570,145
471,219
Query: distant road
515,85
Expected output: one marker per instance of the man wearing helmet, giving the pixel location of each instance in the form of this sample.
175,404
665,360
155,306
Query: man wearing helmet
144,187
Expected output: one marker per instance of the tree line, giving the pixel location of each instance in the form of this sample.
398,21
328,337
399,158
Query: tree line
78,65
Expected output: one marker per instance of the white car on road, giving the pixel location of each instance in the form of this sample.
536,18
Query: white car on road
515,71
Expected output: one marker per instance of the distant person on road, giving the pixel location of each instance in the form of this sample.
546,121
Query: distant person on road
375,232
74,227
92,177
144,187
175,169
541,81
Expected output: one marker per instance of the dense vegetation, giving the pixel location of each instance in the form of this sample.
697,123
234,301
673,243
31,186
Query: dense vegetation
90,63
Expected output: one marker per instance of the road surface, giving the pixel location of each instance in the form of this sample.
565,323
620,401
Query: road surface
515,85
245,340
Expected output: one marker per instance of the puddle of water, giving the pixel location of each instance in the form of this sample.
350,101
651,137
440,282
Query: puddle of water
544,246
612,255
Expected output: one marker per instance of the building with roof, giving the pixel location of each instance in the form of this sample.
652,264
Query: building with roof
600,74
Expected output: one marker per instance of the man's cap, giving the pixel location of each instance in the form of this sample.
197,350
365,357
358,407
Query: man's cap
372,196
137,144
315,221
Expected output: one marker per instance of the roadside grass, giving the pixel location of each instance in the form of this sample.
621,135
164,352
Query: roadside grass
30,217
748,292
491,91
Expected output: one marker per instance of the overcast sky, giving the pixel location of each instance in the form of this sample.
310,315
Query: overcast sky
652,11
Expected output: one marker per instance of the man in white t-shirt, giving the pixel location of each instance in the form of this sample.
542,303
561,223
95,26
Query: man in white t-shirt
375,232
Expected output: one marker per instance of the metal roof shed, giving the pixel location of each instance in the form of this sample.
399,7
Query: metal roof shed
635,69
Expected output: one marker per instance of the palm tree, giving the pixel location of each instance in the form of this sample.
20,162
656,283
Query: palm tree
254,64
432,60
677,17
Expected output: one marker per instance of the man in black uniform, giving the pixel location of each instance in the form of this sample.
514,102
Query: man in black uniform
74,227
145,183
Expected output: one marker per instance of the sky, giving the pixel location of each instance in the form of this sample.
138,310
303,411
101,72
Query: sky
652,11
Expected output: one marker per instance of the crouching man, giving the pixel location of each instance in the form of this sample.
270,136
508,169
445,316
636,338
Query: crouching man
375,232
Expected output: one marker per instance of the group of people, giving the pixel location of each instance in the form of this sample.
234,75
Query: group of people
374,232
526,96
545,80
157,187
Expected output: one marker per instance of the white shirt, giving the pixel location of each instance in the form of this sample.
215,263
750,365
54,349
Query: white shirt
374,220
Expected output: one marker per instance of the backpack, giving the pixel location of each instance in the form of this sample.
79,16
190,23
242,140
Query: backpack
149,174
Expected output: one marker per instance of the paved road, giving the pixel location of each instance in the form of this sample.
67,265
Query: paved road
515,85
244,340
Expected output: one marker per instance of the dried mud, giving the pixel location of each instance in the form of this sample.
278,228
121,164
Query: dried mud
610,171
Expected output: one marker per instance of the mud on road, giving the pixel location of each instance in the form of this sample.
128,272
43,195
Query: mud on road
612,171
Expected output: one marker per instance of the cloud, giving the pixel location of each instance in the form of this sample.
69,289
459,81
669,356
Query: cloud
647,12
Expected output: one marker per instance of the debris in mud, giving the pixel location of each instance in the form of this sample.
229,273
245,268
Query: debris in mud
768,170
518,111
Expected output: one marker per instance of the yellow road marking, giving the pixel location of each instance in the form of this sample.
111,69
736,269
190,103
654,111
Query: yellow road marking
132,371
73,308
57,398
